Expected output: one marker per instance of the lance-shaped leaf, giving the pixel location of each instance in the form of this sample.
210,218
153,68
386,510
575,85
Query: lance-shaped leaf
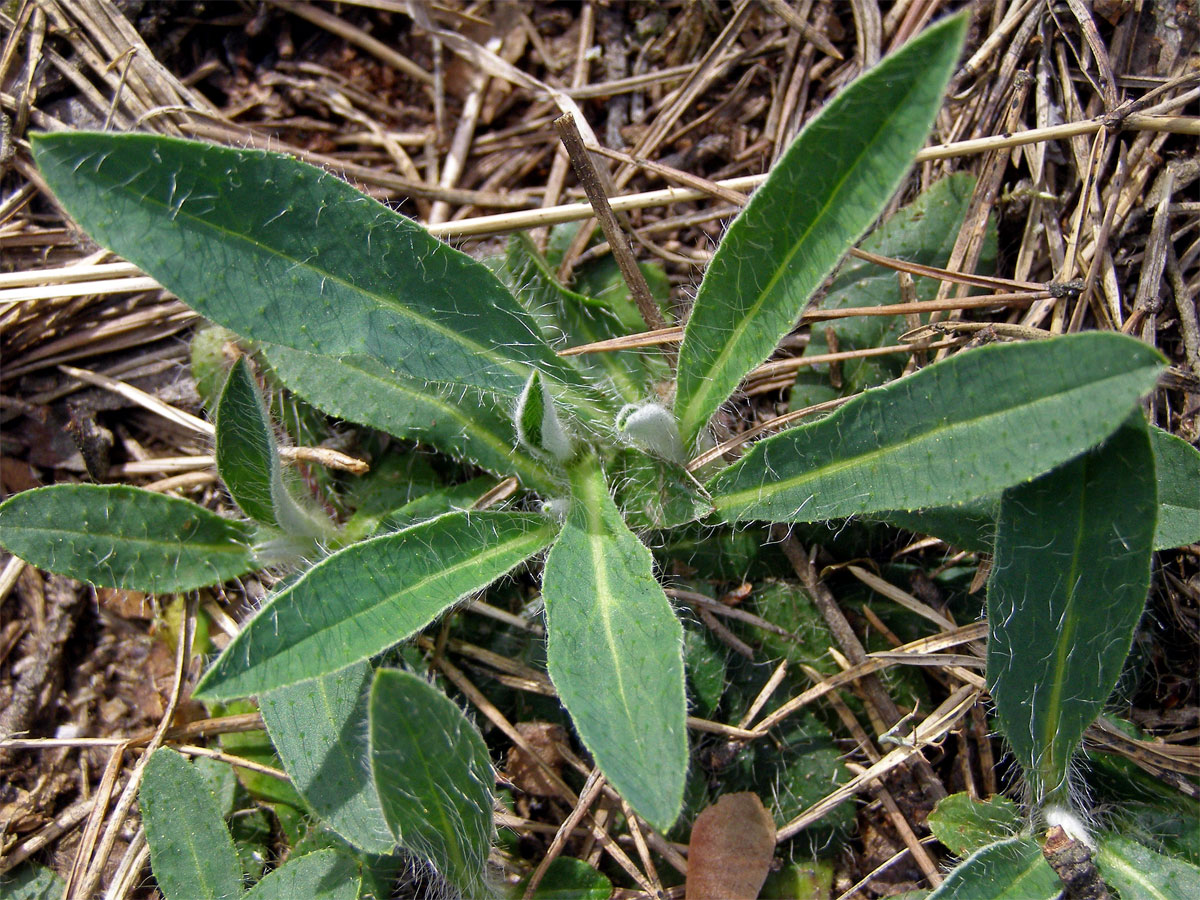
434,777
1068,585
319,728
615,650
113,535
283,252
191,852
1177,464
826,190
464,424
370,596
248,459
1012,869
958,430
321,875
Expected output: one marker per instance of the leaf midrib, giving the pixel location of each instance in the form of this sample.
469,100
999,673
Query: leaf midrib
63,534
514,366
740,327
726,501
534,537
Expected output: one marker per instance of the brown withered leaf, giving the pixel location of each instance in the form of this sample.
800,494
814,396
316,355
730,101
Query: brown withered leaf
527,774
730,852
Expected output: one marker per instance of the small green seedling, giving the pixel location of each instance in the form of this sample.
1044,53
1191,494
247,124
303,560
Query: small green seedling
365,315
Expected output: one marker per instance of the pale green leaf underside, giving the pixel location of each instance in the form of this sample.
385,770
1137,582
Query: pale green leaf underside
282,252
826,190
321,875
191,852
433,776
1178,466
1013,869
1068,586
615,651
119,536
1140,873
463,424
319,728
370,596
958,430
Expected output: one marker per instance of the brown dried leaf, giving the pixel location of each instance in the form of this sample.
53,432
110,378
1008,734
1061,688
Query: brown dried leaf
526,774
731,848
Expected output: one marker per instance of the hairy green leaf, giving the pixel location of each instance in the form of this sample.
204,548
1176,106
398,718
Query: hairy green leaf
321,875
615,650
655,493
826,190
462,423
191,852
965,825
33,881
113,535
282,252
434,777
248,459
319,728
955,431
1177,464
1140,873
1068,585
1013,869
370,596
568,878
539,427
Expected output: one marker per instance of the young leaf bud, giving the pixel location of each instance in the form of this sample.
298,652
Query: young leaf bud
652,427
538,425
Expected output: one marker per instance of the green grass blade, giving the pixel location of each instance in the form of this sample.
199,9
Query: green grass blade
321,875
1068,585
248,459
434,777
958,430
1013,869
319,728
191,852
1178,466
615,651
370,596
282,252
463,424
826,190
113,535
1140,873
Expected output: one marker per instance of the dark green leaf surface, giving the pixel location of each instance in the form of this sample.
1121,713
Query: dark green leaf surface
322,875
117,536
965,825
319,728
248,459
282,252
370,596
655,493
568,878
826,190
434,777
615,651
1012,869
958,430
33,881
1068,585
1140,873
463,424
1177,464
191,852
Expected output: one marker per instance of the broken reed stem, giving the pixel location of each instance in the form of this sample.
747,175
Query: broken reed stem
589,179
